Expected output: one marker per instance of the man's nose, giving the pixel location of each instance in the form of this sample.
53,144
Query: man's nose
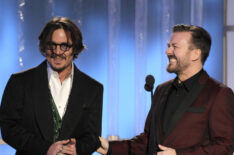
169,51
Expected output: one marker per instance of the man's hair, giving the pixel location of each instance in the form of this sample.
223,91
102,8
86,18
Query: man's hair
200,38
72,32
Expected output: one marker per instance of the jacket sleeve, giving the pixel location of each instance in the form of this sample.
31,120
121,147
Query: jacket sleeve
13,133
221,127
139,144
136,145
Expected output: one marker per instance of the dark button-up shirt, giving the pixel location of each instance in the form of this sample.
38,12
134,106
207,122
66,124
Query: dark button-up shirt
176,96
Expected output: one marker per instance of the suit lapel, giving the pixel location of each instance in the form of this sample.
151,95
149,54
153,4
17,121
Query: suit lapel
74,106
190,98
42,103
159,114
158,104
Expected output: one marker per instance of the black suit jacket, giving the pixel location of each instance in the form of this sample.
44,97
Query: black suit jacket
203,123
26,115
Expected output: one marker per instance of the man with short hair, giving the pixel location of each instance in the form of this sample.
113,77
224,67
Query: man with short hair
191,114
53,108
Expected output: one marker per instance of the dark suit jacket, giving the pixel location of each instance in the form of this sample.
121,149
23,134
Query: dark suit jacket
26,115
203,124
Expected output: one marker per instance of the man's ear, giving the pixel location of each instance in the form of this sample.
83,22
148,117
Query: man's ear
196,54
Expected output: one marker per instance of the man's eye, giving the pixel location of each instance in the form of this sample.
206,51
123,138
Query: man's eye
64,45
51,46
54,45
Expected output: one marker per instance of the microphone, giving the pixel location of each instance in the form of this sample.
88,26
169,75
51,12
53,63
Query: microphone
149,83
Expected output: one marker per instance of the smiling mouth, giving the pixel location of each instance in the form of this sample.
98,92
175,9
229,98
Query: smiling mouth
57,57
172,60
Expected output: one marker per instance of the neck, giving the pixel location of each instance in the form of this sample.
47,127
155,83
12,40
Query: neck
188,73
63,74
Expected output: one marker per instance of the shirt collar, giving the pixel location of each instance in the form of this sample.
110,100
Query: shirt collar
51,72
187,84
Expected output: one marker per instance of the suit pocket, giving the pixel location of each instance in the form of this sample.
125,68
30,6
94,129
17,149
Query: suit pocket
85,106
196,109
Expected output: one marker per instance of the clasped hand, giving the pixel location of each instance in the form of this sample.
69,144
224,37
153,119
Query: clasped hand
63,147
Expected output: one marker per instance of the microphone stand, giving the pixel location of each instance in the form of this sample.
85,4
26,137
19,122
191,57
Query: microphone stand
151,92
153,129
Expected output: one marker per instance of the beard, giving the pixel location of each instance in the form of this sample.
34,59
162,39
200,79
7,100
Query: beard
59,70
175,66
57,56
173,69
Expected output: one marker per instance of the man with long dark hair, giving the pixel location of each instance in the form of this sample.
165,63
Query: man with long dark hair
53,108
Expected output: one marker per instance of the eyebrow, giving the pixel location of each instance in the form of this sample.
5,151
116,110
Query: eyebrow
60,43
173,44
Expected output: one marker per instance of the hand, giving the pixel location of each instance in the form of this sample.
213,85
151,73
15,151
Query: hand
166,150
63,147
105,146
70,147
56,147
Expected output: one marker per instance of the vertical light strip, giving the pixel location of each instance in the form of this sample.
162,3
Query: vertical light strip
229,37
21,40
113,67
140,63
196,12
225,42
50,9
78,11
167,23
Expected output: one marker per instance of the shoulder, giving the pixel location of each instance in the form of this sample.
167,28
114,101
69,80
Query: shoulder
218,93
222,90
24,73
86,80
30,73
213,84
90,80
22,80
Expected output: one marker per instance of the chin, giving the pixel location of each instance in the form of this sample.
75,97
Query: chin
57,68
171,69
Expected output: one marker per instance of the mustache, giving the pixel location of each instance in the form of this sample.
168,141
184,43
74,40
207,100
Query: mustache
54,55
172,57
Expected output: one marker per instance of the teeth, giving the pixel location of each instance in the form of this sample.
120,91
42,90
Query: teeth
172,60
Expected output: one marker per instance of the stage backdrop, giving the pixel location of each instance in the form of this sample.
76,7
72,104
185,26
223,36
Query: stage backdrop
126,40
